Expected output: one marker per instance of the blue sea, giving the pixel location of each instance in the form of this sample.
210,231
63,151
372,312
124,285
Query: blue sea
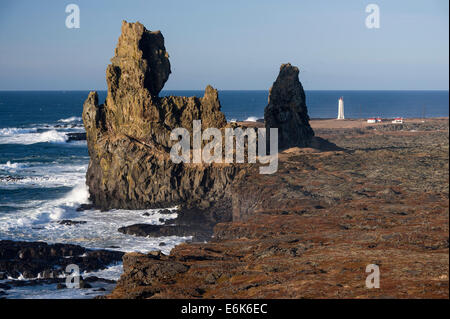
241,105
42,174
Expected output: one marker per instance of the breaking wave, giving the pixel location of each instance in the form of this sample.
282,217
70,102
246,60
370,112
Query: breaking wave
41,134
30,137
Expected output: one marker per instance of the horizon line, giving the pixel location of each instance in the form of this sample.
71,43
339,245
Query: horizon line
259,90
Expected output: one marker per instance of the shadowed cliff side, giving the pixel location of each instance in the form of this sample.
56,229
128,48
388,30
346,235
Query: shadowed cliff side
287,110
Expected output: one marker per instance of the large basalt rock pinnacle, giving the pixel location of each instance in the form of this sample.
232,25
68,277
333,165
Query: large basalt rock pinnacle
287,109
129,135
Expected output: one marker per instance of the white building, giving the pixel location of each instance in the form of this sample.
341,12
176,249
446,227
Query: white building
398,120
341,109
371,120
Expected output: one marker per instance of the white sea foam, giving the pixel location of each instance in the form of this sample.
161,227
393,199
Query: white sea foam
8,166
33,137
71,119
38,221
41,133
38,182
112,272
39,175
9,131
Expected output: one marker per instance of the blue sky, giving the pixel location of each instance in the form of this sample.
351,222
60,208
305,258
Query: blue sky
232,44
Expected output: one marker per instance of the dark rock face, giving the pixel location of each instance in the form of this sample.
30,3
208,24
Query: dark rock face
199,233
76,137
129,135
31,259
190,222
287,110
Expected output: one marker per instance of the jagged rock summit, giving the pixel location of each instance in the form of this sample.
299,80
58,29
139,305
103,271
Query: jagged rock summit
129,135
287,109
140,59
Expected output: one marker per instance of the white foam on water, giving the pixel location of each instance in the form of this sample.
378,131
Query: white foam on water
8,166
41,133
113,272
42,175
9,131
39,221
52,136
38,182
71,119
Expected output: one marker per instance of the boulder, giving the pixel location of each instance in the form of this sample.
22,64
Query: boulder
76,137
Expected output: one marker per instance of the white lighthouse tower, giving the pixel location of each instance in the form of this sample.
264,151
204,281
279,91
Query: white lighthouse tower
341,109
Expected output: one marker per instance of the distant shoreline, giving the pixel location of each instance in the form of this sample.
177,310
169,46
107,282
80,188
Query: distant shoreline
353,122
362,123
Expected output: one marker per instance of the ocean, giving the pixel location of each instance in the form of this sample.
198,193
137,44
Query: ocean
42,174
241,105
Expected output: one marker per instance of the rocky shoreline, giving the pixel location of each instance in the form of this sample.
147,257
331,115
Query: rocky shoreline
195,223
37,263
